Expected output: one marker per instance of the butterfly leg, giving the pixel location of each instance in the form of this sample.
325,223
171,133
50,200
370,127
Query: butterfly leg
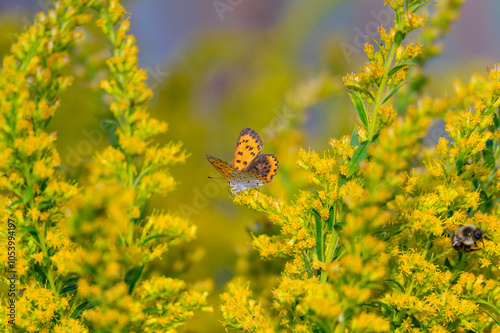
234,191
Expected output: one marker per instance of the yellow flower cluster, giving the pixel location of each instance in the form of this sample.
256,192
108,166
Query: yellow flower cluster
37,307
115,239
294,220
456,189
298,300
34,194
242,312
321,170
385,206
387,70
173,300
81,251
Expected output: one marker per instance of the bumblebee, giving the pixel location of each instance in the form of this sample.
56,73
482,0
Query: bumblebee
465,237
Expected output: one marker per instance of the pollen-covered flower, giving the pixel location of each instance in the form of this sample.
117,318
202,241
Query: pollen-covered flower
387,114
240,311
414,21
411,51
387,37
369,50
395,4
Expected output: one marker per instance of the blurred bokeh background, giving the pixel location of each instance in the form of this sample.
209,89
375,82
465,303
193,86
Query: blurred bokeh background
217,66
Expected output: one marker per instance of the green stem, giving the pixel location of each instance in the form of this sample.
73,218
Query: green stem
497,310
43,246
308,264
331,250
376,106
426,248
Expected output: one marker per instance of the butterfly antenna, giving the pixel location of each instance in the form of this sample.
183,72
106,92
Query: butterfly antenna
215,177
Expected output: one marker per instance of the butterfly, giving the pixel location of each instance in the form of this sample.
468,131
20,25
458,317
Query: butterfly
250,169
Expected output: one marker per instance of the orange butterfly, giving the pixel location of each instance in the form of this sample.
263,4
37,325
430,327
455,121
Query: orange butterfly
249,169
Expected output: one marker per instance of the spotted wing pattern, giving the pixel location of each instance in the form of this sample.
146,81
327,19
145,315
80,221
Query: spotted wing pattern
265,165
225,169
249,169
249,145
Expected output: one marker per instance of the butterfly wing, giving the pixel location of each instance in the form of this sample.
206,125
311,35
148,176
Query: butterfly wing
249,145
265,165
225,169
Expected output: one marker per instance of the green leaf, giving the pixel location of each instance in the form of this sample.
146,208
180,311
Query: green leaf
330,219
395,69
359,106
459,164
422,5
69,288
415,321
152,237
393,91
397,284
133,276
71,280
308,265
28,194
386,307
319,235
398,67
359,155
489,145
379,47
399,38
448,265
79,309
489,158
367,92
354,137
34,87
486,201
31,229
339,225
28,228
44,204
40,274
342,180
369,304
337,252
15,203
496,120
455,276
492,317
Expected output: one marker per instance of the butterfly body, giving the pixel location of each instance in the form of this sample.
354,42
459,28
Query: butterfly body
250,169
